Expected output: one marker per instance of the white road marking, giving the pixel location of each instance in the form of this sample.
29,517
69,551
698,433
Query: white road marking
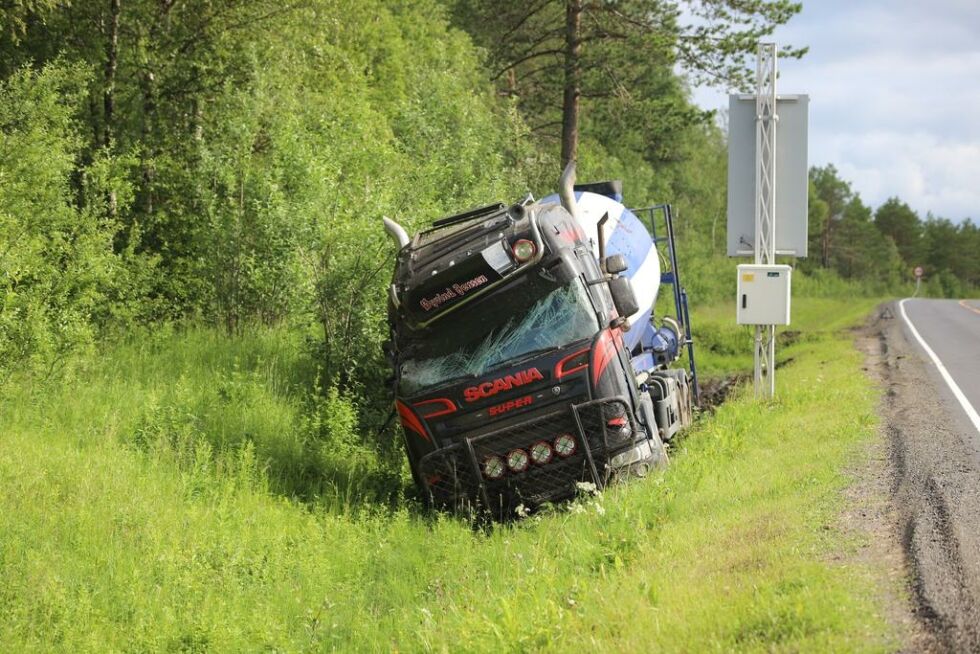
971,413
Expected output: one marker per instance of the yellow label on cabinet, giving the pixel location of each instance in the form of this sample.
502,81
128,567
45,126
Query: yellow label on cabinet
748,277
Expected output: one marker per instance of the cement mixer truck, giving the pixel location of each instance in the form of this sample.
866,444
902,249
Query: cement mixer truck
527,356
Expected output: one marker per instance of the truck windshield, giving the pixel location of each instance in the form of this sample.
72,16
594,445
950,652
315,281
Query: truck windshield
537,316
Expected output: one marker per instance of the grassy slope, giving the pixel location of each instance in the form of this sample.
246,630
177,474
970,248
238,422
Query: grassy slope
106,545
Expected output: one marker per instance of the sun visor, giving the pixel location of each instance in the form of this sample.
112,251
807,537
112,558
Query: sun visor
457,283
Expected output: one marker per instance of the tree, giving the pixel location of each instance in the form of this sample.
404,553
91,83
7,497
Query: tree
836,194
56,260
938,235
952,249
843,236
817,215
861,251
965,248
551,55
159,69
899,222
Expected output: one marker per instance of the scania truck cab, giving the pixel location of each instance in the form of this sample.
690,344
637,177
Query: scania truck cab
524,361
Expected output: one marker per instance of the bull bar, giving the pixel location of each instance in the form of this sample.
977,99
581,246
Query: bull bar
454,477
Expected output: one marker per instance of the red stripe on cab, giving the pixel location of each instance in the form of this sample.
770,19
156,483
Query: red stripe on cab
574,366
409,420
605,349
440,406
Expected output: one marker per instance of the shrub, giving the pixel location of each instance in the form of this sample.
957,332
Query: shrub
56,258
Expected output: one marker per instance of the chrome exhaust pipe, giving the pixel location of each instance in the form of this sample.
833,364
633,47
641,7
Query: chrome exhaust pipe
396,231
566,190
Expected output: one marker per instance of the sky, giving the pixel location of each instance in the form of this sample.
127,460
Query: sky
894,90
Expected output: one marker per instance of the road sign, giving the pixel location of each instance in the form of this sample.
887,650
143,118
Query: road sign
918,272
788,206
766,136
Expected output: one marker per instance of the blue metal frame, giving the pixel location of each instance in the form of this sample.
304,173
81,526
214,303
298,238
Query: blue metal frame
673,278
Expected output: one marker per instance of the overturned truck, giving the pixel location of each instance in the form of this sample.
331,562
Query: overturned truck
526,354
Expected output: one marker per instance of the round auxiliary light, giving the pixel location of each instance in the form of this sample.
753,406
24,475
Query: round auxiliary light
523,250
493,467
565,445
541,453
517,460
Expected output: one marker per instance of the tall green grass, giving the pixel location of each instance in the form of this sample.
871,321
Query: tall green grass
148,507
724,348
200,394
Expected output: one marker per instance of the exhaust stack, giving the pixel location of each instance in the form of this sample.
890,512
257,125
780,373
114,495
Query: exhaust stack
566,190
396,232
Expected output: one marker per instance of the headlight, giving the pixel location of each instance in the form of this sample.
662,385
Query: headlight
523,250
620,426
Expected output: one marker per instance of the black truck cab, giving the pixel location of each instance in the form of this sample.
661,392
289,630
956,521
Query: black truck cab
512,381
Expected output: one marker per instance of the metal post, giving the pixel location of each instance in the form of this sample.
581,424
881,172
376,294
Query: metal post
765,207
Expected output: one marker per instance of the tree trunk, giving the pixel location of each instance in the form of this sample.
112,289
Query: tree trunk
111,64
826,235
109,97
148,82
573,74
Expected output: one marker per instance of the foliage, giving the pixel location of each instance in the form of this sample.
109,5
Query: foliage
217,397
897,221
238,156
251,149
561,59
56,260
882,253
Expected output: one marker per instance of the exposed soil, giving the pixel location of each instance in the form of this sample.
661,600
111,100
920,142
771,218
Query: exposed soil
716,390
921,495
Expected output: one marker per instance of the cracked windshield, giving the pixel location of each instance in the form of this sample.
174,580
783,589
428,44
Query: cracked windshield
475,340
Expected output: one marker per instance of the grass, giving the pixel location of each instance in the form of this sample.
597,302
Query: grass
142,507
724,348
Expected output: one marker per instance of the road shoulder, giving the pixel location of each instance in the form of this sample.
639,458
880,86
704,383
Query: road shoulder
921,490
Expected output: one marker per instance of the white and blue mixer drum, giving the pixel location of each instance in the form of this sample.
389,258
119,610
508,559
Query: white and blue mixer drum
625,235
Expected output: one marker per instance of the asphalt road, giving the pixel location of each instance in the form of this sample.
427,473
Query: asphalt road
951,329
928,358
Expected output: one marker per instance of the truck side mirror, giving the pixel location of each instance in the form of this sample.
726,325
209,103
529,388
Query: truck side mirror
623,296
615,264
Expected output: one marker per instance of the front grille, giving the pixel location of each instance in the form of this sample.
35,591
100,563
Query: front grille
454,475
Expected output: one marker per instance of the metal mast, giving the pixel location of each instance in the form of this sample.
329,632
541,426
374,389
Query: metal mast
765,207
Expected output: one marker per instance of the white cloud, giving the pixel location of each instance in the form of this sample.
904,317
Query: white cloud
895,97
922,170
